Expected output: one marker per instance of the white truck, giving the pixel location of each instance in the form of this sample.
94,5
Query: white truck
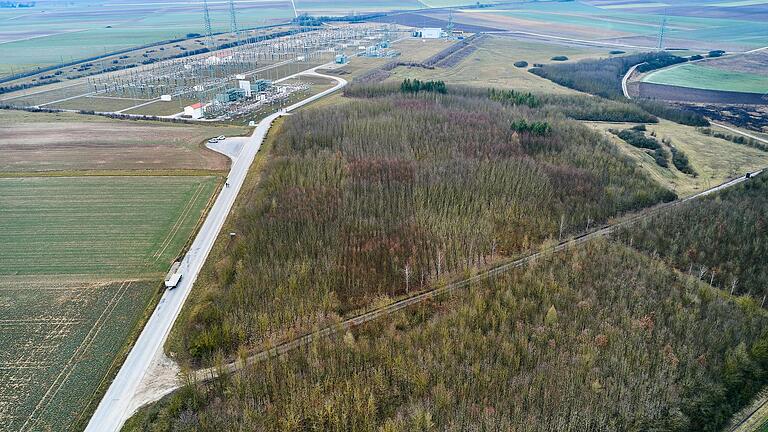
174,276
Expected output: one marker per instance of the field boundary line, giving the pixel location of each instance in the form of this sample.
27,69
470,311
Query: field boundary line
179,222
70,365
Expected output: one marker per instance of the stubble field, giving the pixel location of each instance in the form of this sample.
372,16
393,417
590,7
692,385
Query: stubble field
65,141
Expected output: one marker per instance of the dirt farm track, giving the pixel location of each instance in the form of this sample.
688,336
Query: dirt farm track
685,94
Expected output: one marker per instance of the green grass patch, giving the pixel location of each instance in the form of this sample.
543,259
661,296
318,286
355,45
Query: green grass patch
709,78
97,225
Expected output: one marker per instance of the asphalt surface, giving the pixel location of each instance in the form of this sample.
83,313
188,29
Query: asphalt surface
113,410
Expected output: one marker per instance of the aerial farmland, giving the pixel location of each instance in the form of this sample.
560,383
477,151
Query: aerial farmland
54,32
93,212
743,74
387,215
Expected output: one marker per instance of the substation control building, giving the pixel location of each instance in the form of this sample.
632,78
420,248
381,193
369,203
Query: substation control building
429,33
195,111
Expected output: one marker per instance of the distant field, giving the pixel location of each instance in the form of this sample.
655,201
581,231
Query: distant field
714,159
51,33
631,23
710,78
81,259
491,65
64,141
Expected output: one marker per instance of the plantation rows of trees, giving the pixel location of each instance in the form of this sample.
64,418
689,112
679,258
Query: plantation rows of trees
603,77
416,86
722,240
588,108
675,114
577,107
598,338
513,97
387,195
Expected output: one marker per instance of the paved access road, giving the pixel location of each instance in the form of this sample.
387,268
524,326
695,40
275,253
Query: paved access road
113,410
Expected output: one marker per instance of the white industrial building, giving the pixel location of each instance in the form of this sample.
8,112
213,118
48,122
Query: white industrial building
245,85
431,33
195,111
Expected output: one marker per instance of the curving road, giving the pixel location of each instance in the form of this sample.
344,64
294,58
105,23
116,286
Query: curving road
114,408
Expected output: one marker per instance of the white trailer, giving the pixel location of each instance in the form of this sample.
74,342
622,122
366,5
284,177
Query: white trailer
174,276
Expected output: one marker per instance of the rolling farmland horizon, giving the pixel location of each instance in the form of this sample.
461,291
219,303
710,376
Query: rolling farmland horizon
384,215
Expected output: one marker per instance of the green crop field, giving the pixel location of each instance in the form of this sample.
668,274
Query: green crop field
109,226
709,78
82,258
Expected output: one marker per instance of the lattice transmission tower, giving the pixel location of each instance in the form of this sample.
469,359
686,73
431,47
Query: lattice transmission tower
663,30
208,29
233,22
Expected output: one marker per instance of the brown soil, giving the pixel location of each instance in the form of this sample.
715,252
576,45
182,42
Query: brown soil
685,94
114,145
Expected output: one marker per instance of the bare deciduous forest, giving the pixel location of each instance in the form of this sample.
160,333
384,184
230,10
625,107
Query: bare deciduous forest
722,240
596,338
391,193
